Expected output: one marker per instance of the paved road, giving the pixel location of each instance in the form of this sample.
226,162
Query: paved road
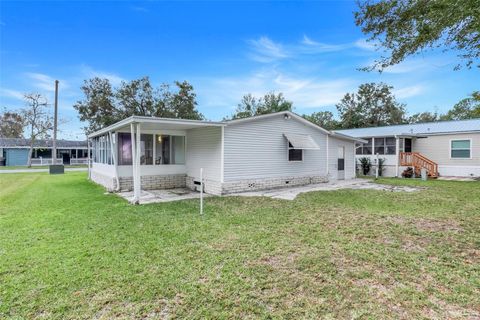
39,170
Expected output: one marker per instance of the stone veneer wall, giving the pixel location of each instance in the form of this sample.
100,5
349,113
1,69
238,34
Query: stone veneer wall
155,182
217,188
269,183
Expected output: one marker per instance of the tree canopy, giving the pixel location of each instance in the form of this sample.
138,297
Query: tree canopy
324,119
371,106
104,105
269,103
11,124
406,27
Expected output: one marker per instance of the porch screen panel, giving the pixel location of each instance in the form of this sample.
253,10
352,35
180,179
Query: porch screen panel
379,145
162,149
390,145
178,149
146,149
124,149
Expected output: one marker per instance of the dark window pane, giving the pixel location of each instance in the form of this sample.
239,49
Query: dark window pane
295,154
124,149
390,141
408,145
367,150
341,164
379,150
162,145
460,153
390,150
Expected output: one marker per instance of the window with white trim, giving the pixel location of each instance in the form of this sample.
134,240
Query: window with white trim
460,149
294,154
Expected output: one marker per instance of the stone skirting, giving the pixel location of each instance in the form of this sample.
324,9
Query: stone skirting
155,182
210,186
269,183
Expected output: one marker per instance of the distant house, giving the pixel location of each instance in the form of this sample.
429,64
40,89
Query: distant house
262,152
447,148
15,152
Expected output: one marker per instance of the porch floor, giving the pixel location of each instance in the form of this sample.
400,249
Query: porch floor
153,196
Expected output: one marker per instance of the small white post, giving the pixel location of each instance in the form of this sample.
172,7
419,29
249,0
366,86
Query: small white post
201,191
376,168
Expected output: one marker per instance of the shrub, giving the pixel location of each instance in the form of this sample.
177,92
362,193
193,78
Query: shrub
407,173
381,165
366,165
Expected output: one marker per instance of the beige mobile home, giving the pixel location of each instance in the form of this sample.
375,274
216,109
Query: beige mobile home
269,151
444,148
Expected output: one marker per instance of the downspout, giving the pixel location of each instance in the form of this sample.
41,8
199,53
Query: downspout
397,153
328,160
114,158
89,160
134,170
138,190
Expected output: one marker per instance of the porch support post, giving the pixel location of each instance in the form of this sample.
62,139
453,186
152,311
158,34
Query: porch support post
137,190
397,154
328,160
134,162
113,151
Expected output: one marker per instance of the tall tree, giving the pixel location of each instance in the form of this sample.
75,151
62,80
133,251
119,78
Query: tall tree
371,106
37,120
467,108
183,103
11,124
104,105
97,108
424,117
269,103
407,27
324,119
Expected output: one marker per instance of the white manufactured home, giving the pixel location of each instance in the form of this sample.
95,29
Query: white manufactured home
443,148
269,151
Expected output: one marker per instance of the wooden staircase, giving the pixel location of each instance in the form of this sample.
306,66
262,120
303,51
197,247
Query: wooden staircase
418,161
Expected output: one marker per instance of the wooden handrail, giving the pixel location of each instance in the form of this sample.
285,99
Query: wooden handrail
419,161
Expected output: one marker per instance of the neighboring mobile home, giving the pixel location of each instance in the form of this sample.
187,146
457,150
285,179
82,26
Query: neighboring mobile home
15,152
444,148
262,152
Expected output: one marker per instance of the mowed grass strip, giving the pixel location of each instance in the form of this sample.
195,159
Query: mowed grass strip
70,251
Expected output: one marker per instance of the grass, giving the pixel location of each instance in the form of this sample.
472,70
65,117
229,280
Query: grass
70,251
40,167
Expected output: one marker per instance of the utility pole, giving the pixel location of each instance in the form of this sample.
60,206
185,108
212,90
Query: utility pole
54,168
54,146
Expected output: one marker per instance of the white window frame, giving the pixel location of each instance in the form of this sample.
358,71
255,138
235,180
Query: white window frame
288,153
470,149
170,147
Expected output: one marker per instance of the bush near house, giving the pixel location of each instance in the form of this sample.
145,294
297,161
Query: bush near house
70,251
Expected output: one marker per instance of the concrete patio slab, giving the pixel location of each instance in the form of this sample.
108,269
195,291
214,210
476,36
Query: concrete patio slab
154,196
357,184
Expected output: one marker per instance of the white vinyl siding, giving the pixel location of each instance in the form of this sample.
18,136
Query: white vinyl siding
259,149
333,150
204,150
437,148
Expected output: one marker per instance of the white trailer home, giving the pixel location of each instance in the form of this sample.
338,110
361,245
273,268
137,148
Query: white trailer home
443,148
269,151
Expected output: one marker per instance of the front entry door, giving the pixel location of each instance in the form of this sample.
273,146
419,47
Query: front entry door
341,163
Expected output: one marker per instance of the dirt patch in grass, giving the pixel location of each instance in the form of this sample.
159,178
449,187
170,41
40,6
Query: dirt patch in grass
428,225
444,310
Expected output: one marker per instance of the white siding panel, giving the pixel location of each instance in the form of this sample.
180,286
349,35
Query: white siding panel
258,149
204,149
333,145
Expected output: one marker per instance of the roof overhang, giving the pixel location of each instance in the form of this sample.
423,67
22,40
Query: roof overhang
154,123
347,137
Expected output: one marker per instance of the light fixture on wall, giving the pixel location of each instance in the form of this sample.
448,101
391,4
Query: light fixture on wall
159,138
286,116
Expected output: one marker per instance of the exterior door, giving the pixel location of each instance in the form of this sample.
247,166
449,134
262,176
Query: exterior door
341,163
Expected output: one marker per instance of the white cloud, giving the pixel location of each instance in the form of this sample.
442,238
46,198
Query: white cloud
365,45
44,82
266,50
410,91
9,93
310,46
303,92
89,72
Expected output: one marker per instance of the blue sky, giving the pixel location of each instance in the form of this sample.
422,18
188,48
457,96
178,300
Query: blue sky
310,51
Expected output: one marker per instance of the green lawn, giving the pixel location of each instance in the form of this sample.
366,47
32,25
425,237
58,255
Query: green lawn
70,251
